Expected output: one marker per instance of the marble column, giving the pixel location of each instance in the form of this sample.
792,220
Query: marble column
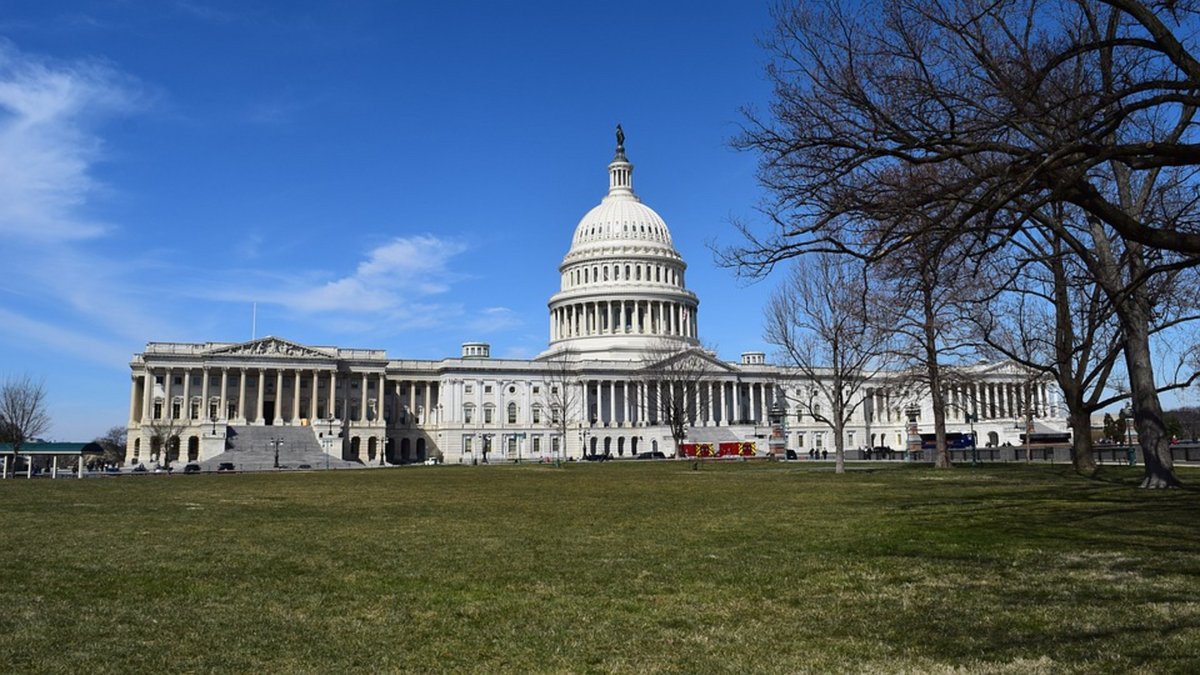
333,411
312,400
223,413
167,394
204,405
295,418
362,395
148,395
278,397
133,400
185,410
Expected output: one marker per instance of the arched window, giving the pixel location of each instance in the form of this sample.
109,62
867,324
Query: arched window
512,413
627,272
468,414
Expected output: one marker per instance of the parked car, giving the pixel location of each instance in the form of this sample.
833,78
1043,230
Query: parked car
654,454
192,468
225,466
304,466
140,468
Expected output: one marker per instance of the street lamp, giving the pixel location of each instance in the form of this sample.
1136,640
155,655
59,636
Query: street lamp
276,442
213,417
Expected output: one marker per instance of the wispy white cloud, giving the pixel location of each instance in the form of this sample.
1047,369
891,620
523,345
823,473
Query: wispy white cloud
64,340
46,145
398,281
392,277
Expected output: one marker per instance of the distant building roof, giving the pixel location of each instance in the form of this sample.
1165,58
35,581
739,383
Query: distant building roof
92,448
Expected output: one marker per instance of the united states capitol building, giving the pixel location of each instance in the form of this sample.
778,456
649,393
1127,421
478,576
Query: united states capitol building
623,299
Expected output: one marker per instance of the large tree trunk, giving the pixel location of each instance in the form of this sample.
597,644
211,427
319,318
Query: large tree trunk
941,458
1147,409
839,447
1081,434
1081,445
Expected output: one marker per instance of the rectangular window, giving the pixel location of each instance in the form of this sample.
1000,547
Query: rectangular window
468,415
554,445
537,445
158,410
487,415
467,443
195,380
195,412
537,415
537,389
470,389
175,406
487,388
178,379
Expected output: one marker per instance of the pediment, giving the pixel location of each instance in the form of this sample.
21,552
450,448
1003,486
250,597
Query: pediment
694,354
270,347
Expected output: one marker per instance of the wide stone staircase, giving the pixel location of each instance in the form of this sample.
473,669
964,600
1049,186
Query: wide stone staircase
253,449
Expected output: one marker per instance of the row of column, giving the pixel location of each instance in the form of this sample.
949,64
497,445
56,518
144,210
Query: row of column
985,400
719,403
1000,400
223,406
416,401
617,317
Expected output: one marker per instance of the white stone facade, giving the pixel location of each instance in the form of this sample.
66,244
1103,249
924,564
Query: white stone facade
622,294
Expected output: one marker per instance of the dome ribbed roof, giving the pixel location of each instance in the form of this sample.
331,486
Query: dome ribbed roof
623,218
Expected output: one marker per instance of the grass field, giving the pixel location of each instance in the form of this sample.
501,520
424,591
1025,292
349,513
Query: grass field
621,567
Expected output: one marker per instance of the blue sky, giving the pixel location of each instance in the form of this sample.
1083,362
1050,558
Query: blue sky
404,176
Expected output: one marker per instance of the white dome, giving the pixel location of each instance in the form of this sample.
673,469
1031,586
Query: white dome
622,282
621,218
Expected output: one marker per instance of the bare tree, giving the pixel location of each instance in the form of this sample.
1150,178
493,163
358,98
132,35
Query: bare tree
113,442
922,296
673,373
562,398
23,415
164,438
818,318
1018,104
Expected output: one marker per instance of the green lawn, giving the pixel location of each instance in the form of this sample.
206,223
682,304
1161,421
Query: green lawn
623,567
